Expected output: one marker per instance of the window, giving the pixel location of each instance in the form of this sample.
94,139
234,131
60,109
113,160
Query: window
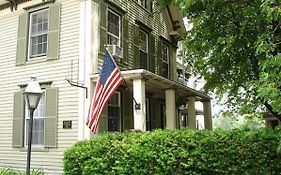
38,122
44,119
113,28
114,113
165,59
143,48
147,4
38,33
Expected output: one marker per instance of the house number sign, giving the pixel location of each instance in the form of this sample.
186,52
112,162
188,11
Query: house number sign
67,124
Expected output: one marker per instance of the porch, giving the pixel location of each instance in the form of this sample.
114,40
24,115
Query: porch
151,101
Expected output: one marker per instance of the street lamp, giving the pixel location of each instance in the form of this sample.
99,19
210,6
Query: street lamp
32,94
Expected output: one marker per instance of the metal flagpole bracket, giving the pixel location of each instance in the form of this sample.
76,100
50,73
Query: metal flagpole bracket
77,85
137,105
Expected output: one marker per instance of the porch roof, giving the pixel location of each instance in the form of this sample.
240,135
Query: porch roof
156,81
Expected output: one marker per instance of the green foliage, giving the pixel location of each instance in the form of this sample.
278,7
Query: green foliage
236,46
177,152
9,171
229,121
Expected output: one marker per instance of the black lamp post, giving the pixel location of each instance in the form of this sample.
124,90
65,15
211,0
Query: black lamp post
33,94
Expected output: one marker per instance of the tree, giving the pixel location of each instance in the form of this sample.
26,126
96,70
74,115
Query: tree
236,46
230,121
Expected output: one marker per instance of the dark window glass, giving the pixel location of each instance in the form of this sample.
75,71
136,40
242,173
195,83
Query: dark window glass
114,113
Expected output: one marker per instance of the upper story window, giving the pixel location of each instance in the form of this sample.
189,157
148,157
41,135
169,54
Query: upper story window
147,4
165,59
38,123
38,33
38,28
113,28
143,48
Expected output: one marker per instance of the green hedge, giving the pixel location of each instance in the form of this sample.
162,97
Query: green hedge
177,152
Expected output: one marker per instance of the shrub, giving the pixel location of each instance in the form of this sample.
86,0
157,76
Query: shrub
176,152
8,171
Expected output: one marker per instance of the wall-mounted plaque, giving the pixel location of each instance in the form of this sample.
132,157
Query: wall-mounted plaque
67,124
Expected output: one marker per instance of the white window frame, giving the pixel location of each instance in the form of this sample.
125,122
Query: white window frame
119,106
146,46
30,35
111,34
27,117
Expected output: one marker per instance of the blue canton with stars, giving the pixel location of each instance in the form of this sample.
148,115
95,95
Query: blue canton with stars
107,68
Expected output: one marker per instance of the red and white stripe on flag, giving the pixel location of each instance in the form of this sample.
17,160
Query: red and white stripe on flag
109,80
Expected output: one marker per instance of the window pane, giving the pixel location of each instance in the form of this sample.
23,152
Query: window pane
34,18
39,45
165,70
113,28
143,40
34,50
113,23
37,131
114,101
38,34
38,123
112,40
143,60
44,47
113,118
114,113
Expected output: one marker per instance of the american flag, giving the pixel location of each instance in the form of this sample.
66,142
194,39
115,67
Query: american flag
108,81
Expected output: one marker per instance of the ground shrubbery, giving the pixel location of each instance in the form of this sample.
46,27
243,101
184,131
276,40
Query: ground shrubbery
8,171
177,152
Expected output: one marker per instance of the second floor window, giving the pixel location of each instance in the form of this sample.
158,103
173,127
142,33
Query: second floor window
165,59
113,28
38,33
143,47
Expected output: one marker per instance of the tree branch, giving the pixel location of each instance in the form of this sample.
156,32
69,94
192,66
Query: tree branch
270,109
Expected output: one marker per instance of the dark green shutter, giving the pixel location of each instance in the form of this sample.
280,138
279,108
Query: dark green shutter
53,33
18,120
172,62
136,47
127,106
159,56
51,117
152,53
125,28
22,39
103,29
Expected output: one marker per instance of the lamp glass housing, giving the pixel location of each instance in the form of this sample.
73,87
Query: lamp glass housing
33,93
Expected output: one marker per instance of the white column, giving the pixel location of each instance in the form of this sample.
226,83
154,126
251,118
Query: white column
191,112
207,114
171,120
84,68
139,95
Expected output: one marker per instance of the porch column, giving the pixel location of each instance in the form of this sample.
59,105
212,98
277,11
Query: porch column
139,95
207,114
170,97
191,112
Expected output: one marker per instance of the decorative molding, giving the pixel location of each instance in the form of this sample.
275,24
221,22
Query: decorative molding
43,85
44,2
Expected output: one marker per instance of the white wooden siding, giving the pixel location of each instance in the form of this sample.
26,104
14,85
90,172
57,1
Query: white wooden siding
56,71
